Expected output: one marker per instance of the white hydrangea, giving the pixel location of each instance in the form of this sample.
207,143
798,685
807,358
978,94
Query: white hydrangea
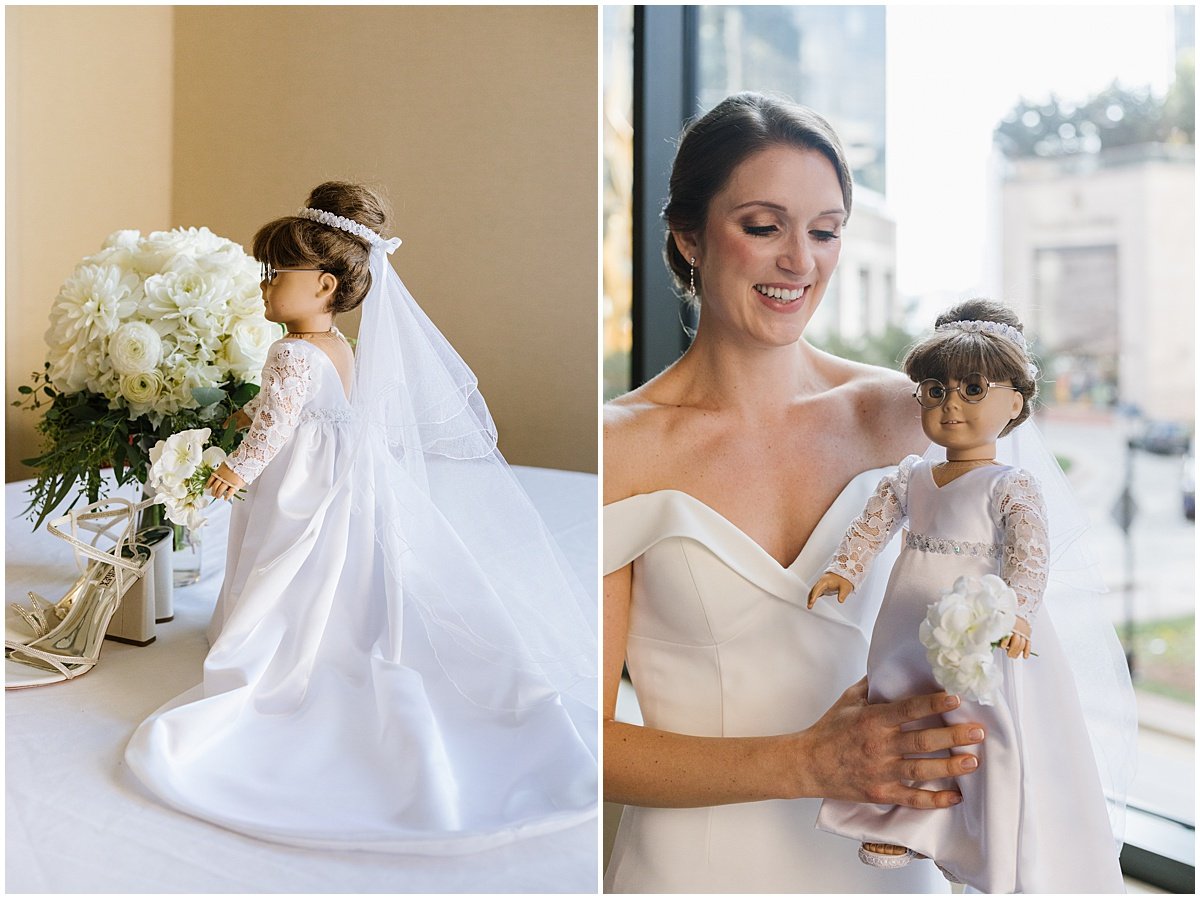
148,318
960,630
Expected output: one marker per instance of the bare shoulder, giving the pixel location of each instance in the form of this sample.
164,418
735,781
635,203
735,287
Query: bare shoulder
883,398
633,427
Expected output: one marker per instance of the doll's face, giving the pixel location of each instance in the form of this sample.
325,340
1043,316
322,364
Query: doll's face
960,426
770,244
297,296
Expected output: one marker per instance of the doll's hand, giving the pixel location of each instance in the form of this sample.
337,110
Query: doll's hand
224,482
1017,643
240,419
830,583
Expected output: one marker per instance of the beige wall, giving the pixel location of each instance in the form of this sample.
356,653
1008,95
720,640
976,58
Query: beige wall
88,151
478,123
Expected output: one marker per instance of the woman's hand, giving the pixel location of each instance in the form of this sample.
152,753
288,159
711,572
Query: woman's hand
1017,643
830,583
856,751
224,482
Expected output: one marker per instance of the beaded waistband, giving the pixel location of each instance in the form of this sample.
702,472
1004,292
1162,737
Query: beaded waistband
952,547
335,416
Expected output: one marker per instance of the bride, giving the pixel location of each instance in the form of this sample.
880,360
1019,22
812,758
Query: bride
729,479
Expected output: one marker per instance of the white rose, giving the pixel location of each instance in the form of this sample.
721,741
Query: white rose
135,348
247,345
68,367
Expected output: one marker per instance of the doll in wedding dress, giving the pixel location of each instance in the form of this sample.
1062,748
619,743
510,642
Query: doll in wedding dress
401,658
1034,817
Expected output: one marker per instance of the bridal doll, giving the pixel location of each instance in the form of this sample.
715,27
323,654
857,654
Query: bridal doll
1033,817
400,656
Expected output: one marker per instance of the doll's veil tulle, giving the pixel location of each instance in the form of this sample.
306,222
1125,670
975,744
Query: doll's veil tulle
1073,601
464,548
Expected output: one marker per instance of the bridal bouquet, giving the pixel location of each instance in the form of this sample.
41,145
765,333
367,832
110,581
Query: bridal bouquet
180,466
150,336
961,630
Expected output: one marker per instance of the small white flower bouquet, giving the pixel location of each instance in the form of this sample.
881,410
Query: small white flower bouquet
180,466
961,630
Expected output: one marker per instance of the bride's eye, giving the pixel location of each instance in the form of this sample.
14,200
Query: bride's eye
825,236
759,230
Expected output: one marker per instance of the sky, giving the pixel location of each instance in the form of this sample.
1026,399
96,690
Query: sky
953,73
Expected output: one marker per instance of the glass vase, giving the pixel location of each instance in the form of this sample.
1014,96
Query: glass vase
188,556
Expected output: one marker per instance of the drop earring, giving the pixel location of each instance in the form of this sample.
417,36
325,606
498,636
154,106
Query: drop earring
692,278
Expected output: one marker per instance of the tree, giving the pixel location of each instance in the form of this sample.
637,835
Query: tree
1115,117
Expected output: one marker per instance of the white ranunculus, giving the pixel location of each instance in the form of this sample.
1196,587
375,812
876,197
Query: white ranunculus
246,349
159,250
141,391
135,348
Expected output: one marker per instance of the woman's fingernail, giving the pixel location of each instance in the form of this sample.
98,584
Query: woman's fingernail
970,763
955,799
950,702
975,733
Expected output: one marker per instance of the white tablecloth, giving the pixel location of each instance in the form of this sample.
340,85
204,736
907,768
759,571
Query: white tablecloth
76,820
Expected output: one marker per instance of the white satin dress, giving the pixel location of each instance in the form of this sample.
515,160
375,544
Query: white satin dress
721,644
1033,817
311,727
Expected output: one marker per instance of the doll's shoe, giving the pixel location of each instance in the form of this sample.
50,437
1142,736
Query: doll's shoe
883,859
72,648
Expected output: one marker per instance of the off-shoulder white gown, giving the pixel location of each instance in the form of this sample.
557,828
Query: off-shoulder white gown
721,644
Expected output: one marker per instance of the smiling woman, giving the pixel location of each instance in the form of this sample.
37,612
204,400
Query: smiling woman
728,478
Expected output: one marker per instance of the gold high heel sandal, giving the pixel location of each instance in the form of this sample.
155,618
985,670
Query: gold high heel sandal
72,648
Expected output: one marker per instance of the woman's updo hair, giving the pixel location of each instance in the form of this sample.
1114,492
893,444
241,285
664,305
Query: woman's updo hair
715,144
955,353
294,242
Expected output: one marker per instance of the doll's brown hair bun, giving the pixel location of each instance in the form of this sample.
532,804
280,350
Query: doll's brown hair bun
294,242
953,353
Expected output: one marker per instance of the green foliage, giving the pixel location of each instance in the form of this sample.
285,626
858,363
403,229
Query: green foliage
885,349
81,435
1115,117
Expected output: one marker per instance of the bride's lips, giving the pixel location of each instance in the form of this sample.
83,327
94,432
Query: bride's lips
785,298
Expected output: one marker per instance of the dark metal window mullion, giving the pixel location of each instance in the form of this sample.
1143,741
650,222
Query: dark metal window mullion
664,98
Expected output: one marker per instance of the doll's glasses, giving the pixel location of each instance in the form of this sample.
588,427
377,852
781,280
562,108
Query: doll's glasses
269,271
931,392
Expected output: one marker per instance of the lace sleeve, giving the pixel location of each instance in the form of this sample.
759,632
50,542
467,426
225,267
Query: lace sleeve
870,532
1022,515
251,407
284,385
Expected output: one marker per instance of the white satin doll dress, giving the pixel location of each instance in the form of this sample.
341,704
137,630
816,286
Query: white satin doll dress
324,717
1033,817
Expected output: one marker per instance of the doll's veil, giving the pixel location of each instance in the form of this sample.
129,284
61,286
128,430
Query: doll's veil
468,559
1073,601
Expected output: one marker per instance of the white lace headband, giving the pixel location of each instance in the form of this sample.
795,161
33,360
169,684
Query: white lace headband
350,226
1008,332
